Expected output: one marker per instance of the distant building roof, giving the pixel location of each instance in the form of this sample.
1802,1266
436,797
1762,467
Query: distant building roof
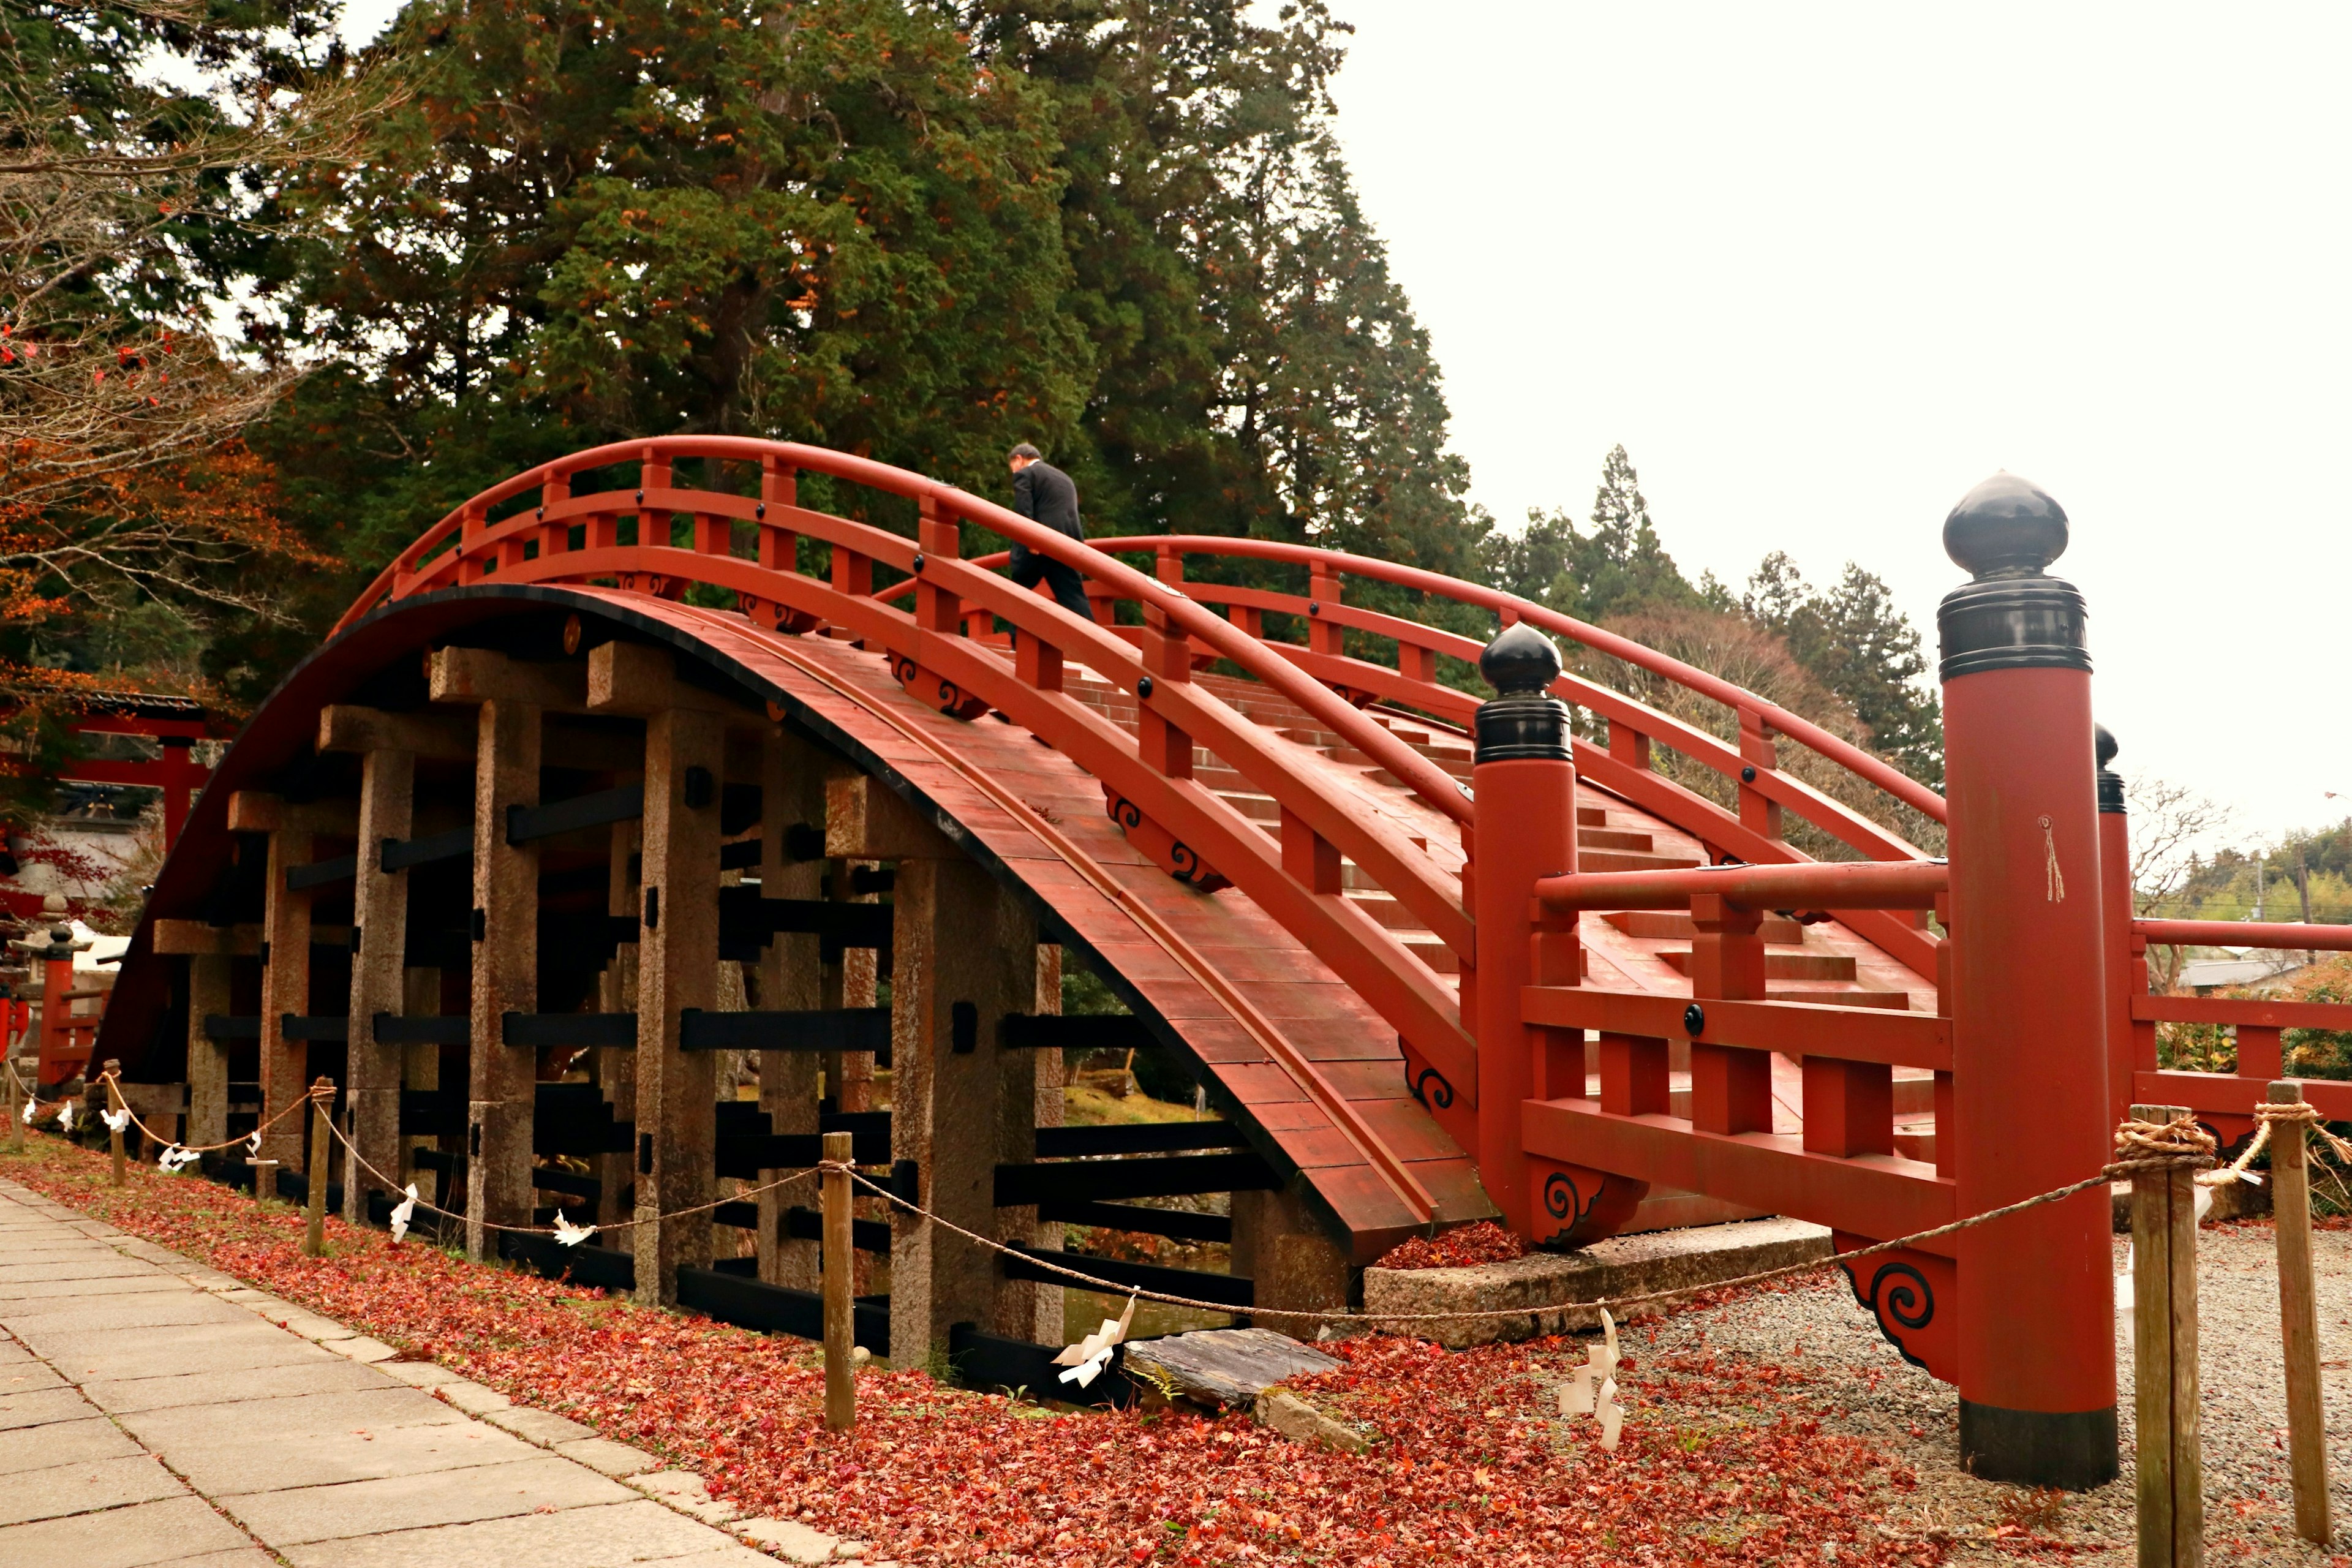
2211,973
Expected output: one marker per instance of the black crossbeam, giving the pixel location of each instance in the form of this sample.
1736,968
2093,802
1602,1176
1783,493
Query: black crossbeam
865,1234
327,1027
568,1182
822,1029
436,1029
1226,1289
779,1309
321,873
616,1031
218,1027
743,1157
1182,1225
1138,1138
528,823
399,854
1106,1180
1073,1032
737,1215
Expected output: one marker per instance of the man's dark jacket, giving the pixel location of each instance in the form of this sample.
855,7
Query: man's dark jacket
1042,493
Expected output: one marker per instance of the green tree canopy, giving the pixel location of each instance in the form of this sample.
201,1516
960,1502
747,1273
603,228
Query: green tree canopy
1852,639
1615,567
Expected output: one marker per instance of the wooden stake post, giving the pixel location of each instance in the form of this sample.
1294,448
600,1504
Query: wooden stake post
839,1265
314,1228
2306,1422
114,1102
16,1108
2163,1339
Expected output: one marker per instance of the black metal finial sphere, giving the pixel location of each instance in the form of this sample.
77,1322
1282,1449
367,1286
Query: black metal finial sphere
2103,745
1520,662
2006,527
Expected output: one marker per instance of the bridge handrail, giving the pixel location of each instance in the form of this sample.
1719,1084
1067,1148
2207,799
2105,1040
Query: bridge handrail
2287,936
1436,787
1853,758
1832,816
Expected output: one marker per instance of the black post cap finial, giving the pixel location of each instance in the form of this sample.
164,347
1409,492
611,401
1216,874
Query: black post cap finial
1522,722
2012,614
2111,785
2006,527
2103,743
1520,662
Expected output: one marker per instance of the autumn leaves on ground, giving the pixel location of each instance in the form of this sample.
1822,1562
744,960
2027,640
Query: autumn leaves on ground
1470,1462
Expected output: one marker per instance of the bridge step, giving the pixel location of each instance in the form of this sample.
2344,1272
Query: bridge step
1780,965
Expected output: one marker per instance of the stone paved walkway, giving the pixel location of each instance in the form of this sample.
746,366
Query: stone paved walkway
155,1411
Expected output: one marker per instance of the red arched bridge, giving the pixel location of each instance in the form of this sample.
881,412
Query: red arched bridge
484,858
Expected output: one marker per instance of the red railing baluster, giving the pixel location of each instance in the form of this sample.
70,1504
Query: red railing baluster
1324,636
473,563
779,547
1731,1086
652,519
1628,745
1758,812
936,608
555,535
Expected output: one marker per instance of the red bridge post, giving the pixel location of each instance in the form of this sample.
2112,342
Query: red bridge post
1525,829
2036,1329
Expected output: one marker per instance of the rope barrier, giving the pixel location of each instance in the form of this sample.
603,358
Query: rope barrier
114,1092
1614,1303
337,1134
2150,1146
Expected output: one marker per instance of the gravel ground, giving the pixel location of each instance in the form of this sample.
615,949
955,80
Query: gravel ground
1858,1384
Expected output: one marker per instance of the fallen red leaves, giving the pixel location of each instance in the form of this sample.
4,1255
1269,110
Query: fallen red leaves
1471,1464
1464,1246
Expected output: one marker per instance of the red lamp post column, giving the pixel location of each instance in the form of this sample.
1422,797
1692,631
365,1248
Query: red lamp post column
2036,1329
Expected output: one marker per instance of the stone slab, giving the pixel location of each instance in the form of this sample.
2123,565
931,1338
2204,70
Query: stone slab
607,1458
1553,1286
685,1489
539,1427
84,1487
360,1347
791,1540
15,1298
1286,1413
298,1415
411,1502
177,1531
154,1310
418,1374
329,1375
63,1442
1226,1366
609,1535
41,1407
271,1460
472,1397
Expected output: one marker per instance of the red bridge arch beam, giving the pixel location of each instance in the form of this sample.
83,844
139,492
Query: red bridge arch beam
2036,1292
1400,985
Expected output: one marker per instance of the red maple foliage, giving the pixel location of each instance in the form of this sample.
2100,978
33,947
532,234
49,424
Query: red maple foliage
1461,1247
1470,1462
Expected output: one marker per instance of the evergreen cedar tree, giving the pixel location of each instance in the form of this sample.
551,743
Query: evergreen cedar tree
917,232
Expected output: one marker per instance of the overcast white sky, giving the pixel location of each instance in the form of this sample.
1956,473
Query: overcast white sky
1821,268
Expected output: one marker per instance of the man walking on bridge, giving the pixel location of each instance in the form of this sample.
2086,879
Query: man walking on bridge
1042,493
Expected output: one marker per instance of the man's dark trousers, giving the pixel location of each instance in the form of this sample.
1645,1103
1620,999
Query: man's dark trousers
1068,588
1042,493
